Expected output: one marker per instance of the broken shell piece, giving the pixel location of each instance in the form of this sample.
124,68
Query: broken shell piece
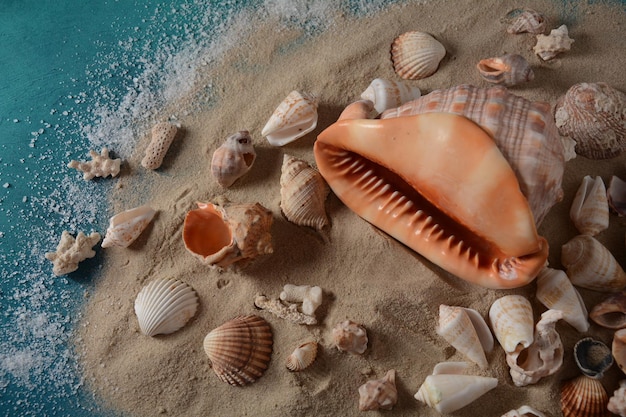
303,192
456,326
543,357
386,94
524,411
125,227
164,306
592,357
289,313
610,312
310,297
617,403
446,390
508,70
416,55
616,194
351,337
512,321
584,396
590,209
240,349
526,21
618,349
229,234
591,265
379,394
70,251
549,46
293,118
100,165
163,135
233,159
555,291
302,357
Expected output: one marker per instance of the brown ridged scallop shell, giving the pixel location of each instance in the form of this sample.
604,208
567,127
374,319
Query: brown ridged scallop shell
584,397
416,55
233,158
594,115
302,357
240,349
526,21
508,70
610,312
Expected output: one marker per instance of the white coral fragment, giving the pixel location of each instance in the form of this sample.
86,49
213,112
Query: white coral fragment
101,165
289,313
162,136
70,251
309,296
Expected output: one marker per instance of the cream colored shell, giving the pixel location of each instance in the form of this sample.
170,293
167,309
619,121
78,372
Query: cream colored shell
416,55
524,411
294,117
511,318
555,291
583,397
233,159
458,328
387,94
526,21
549,46
163,135
351,337
302,357
125,227
590,208
379,394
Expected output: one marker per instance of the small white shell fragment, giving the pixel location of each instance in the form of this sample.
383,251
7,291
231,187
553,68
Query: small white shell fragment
309,296
70,251
524,411
293,118
164,306
388,94
590,208
162,136
549,46
289,313
125,227
302,357
511,318
101,165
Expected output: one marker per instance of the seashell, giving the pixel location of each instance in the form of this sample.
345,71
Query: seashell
302,357
555,291
163,135
584,397
549,46
543,357
524,411
416,55
351,337
526,21
617,403
590,209
511,318
594,115
309,296
164,306
508,70
396,186
616,195
125,227
592,357
523,130
387,94
101,165
610,312
240,349
618,349
590,265
303,192
446,390
224,235
379,394
294,117
456,326
233,159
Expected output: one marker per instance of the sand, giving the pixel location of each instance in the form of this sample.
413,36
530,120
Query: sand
366,276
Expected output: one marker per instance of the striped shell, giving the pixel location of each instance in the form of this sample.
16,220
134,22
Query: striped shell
590,208
164,306
526,21
512,322
293,118
508,70
584,397
351,337
416,55
555,291
387,94
240,349
302,357
303,192
125,227
470,337
233,158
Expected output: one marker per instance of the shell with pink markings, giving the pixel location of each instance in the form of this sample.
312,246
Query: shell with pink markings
526,21
549,46
508,70
125,227
233,158
294,117
351,337
302,357
416,55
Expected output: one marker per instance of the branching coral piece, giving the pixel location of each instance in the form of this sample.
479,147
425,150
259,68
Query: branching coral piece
289,313
310,297
99,166
70,251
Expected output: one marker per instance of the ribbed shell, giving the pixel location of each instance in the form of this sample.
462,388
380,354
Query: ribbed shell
526,21
302,357
387,94
524,131
590,208
584,397
457,328
295,116
555,291
549,46
594,115
508,70
416,55
610,312
240,349
125,227
164,306
303,192
511,318
233,158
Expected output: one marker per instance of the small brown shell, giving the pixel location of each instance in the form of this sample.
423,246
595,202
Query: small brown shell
584,397
526,21
610,312
618,349
416,55
508,70
302,357
351,337
233,159
240,349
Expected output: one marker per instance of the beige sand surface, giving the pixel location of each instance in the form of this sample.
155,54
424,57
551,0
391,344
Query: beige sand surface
366,276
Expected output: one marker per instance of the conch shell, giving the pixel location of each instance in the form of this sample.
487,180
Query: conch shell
511,318
125,227
387,94
555,291
473,221
295,116
467,331
416,55
233,159
302,357
508,70
590,208
549,46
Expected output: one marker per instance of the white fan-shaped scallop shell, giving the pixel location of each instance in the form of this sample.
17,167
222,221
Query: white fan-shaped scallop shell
470,337
302,357
387,94
549,46
125,227
293,118
590,209
233,158
512,322
555,291
416,55
164,306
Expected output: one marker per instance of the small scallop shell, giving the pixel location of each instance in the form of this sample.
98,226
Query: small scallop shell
584,397
590,209
610,312
617,403
590,265
125,227
233,159
524,411
351,337
456,326
379,394
508,70
293,118
164,306
526,21
387,94
302,357
555,291
594,115
592,357
240,349
303,192
549,46
616,195
618,349
416,55
512,322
